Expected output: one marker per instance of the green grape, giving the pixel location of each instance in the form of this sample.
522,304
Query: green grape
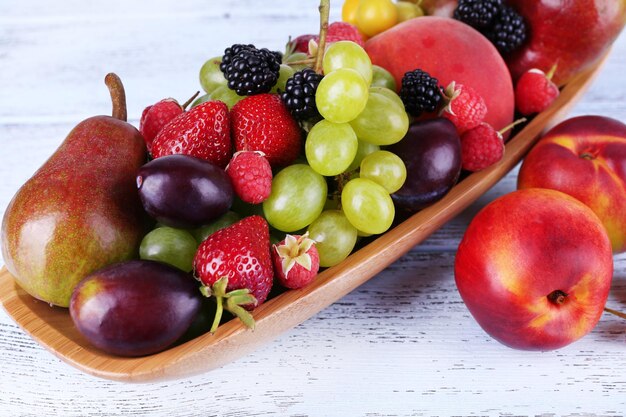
297,198
384,168
211,76
201,233
382,122
341,95
296,57
382,78
226,95
367,205
330,147
365,148
285,73
346,54
392,95
175,247
334,237
202,99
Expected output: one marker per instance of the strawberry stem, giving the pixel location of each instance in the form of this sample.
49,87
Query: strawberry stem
191,99
512,125
118,96
324,16
234,302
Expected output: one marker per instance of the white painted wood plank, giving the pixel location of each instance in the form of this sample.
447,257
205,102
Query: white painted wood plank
403,344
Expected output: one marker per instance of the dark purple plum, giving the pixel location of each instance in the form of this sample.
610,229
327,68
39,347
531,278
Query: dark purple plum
135,308
431,151
184,191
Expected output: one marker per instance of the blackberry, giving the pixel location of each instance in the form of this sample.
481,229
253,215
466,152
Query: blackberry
420,92
509,31
299,94
249,70
479,14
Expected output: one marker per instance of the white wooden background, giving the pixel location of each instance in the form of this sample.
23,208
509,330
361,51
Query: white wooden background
401,345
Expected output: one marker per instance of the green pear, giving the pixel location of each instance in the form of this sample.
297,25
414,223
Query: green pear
80,211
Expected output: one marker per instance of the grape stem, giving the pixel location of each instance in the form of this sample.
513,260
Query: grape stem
615,312
324,16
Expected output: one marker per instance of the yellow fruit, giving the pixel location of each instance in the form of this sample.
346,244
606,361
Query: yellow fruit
407,10
375,16
348,11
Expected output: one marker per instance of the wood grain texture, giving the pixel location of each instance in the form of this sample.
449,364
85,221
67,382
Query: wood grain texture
401,344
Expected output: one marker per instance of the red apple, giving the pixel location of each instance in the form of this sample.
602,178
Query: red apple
450,51
584,157
571,33
534,268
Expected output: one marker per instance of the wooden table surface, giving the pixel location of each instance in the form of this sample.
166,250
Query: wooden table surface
401,345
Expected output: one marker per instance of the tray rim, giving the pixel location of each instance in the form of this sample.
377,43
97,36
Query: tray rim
54,330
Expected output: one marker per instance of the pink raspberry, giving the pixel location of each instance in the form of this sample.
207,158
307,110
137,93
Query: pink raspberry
481,147
534,92
155,117
251,175
466,108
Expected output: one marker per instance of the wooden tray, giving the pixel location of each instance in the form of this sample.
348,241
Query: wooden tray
53,327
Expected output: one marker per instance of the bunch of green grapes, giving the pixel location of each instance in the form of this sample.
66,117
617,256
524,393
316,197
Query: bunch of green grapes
360,114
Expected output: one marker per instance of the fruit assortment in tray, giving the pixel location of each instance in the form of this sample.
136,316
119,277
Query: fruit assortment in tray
245,210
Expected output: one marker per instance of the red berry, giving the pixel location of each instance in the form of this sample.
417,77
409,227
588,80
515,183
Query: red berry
203,132
342,31
155,117
235,266
466,108
534,92
296,261
337,31
301,43
251,175
481,147
263,123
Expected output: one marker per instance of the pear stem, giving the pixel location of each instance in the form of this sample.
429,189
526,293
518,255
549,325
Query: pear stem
324,16
118,96
615,312
191,99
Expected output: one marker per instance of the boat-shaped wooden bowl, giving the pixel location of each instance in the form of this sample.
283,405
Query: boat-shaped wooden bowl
53,327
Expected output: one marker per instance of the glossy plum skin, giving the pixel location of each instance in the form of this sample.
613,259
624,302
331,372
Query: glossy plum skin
183,191
135,308
431,151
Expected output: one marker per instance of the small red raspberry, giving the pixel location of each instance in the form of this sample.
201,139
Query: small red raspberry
481,147
296,261
466,108
251,175
535,92
155,117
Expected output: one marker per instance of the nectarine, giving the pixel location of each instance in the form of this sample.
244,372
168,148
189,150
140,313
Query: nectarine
534,268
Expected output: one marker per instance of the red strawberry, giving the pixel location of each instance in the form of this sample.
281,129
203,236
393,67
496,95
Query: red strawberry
263,123
155,117
535,92
251,175
481,147
337,31
466,108
203,132
296,261
235,266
